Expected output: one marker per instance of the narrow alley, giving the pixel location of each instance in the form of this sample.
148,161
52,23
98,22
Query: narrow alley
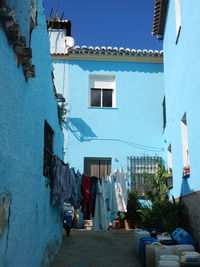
85,248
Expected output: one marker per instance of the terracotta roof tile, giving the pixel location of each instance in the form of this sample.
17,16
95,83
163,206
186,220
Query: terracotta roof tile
112,51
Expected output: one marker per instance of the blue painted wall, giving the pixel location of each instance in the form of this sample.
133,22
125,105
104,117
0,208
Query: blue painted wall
34,231
133,128
181,65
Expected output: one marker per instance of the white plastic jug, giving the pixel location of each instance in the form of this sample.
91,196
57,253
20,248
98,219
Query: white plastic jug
190,255
169,258
150,254
164,236
137,235
178,249
168,264
163,250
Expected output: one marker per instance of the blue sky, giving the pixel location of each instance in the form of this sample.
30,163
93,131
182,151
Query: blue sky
125,23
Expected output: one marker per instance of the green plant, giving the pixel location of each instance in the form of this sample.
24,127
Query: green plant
121,215
155,185
166,215
133,207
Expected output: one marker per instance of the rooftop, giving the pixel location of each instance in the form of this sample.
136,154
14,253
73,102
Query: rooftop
112,51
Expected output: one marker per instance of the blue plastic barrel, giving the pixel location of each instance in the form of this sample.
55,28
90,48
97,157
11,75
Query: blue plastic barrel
183,237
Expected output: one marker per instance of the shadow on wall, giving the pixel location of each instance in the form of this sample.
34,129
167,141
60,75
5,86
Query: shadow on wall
82,132
80,129
185,188
118,66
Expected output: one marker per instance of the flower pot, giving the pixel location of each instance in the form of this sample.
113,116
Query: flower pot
186,170
117,224
128,224
137,224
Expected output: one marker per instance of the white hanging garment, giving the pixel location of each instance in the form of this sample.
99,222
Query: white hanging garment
121,192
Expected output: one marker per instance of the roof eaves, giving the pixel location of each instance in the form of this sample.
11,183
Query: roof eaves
160,10
111,51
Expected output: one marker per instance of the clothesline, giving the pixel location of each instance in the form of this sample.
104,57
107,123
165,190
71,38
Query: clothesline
96,197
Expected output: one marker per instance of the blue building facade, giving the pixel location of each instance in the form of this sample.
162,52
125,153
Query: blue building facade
114,101
30,228
181,82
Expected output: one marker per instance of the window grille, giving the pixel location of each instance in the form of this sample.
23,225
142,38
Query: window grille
137,167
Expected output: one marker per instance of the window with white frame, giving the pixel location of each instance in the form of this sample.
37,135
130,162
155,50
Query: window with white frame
178,17
185,148
102,91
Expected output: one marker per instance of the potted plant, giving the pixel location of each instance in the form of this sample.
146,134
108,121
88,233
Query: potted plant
133,214
119,222
186,170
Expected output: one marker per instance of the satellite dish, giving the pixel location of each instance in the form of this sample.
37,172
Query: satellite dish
69,41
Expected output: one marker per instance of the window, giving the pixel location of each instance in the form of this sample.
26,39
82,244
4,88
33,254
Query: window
178,18
164,113
48,150
138,166
169,158
185,148
102,91
99,167
169,179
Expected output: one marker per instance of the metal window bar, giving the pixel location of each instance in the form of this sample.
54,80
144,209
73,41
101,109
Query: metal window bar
137,167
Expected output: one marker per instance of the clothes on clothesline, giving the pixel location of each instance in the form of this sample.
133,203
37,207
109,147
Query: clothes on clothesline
66,185
97,198
106,204
87,199
121,191
100,216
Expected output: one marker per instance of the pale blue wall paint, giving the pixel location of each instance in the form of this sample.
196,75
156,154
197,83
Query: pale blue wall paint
181,65
24,106
107,132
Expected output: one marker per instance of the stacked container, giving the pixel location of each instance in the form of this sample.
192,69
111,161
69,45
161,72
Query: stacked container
142,248
166,239
150,254
163,250
179,249
168,264
190,258
183,237
137,235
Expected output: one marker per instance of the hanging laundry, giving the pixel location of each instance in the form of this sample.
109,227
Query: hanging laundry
106,193
87,200
121,191
60,189
113,200
94,181
100,221
65,184
79,185
72,197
